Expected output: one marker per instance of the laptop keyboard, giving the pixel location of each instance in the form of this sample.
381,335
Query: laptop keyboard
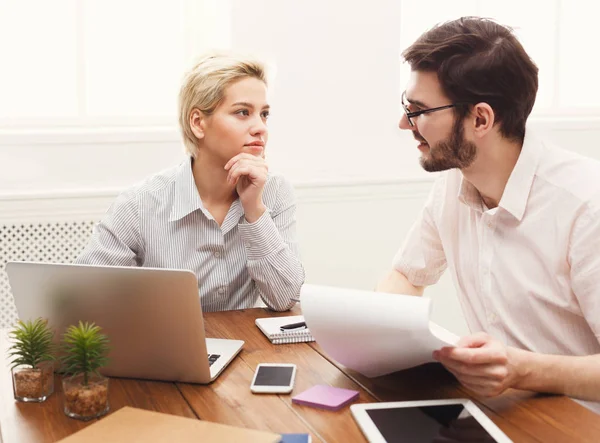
212,358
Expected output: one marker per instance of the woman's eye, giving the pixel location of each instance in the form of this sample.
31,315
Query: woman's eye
265,115
243,112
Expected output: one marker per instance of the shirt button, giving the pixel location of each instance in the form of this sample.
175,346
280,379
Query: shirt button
489,225
217,254
221,291
492,317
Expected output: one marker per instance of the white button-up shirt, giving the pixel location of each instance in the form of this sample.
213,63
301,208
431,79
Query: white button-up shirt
528,271
162,223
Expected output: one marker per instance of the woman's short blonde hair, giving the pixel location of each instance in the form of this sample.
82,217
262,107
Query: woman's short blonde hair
204,87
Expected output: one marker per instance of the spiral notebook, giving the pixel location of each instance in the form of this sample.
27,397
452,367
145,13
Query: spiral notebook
270,327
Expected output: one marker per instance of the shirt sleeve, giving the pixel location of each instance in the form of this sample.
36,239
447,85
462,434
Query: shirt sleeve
585,266
421,258
273,254
116,240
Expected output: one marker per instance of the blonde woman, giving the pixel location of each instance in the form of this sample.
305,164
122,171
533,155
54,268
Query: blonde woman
220,213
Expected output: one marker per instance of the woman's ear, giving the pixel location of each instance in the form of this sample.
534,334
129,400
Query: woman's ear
197,123
484,119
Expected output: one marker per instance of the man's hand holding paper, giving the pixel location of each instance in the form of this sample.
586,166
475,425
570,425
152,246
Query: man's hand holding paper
481,363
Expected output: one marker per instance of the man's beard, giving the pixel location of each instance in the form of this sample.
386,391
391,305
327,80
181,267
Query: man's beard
454,152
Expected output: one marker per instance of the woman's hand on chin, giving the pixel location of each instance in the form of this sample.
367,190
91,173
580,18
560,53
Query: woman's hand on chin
249,173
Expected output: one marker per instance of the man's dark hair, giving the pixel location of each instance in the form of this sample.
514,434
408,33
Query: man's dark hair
477,60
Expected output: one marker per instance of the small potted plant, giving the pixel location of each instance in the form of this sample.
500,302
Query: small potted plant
32,364
85,390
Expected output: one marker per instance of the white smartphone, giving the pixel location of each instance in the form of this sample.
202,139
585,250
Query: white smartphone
273,378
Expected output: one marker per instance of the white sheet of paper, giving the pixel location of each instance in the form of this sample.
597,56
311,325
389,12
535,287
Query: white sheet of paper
373,333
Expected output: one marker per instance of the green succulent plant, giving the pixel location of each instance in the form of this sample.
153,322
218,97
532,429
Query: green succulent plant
32,343
85,350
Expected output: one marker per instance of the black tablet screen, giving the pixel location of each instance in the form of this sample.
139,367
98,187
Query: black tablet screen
442,423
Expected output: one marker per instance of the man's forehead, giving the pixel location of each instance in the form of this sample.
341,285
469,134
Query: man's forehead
424,87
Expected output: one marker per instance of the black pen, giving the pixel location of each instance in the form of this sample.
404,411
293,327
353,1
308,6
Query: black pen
293,326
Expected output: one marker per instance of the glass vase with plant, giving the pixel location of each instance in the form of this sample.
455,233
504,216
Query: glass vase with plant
85,389
32,360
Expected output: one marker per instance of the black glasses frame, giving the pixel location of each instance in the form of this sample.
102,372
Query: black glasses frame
410,115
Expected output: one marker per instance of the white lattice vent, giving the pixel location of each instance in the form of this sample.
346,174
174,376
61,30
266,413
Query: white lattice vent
56,242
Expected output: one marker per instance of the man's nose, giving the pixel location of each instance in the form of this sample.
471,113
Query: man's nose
404,124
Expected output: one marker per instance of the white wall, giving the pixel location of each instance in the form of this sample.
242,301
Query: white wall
336,95
349,235
335,108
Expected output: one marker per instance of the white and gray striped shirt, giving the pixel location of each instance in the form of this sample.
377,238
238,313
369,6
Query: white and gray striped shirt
162,223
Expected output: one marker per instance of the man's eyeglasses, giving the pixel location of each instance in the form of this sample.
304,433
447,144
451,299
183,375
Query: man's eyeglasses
410,115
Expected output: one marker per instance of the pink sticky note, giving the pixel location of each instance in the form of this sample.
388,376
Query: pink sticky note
326,397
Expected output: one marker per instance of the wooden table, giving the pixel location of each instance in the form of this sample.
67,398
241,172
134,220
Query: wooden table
522,416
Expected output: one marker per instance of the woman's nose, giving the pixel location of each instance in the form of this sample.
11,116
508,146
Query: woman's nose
259,127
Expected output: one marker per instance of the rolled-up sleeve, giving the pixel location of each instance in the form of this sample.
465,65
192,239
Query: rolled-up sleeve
116,240
421,259
273,254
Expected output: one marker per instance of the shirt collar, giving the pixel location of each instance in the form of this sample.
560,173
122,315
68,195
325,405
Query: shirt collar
469,195
186,198
516,192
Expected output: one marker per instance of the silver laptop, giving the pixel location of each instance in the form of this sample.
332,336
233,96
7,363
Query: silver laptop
152,317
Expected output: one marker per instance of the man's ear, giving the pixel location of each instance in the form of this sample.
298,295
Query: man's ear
197,123
483,119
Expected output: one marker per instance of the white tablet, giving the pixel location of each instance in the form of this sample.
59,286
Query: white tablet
457,420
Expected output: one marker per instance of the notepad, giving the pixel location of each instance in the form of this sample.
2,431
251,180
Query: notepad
326,397
270,326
